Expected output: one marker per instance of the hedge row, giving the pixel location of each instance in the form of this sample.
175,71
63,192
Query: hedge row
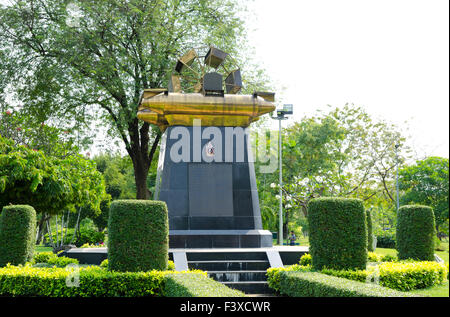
97,282
337,233
195,285
399,276
415,233
17,234
312,284
138,236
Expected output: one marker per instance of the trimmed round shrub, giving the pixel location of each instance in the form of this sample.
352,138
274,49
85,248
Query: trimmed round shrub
17,234
415,233
138,236
337,233
369,232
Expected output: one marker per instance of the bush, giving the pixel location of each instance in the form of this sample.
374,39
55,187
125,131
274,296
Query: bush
415,233
386,239
43,257
62,261
273,274
138,233
17,234
170,265
412,275
389,258
373,257
52,260
369,232
196,285
89,236
337,233
104,264
306,259
313,284
27,281
399,276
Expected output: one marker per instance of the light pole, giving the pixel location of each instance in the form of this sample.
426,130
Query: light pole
281,115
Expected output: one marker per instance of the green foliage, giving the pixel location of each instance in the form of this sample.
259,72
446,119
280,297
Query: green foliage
138,235
338,235
85,236
369,231
313,284
119,175
386,239
93,282
373,257
306,259
196,285
52,260
415,233
23,129
17,234
427,183
413,275
170,266
274,274
389,258
62,261
104,264
48,184
43,257
405,276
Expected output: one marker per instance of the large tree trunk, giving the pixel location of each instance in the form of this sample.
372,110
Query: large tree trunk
142,156
140,176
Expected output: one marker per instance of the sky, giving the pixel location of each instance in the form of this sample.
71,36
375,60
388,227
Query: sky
390,57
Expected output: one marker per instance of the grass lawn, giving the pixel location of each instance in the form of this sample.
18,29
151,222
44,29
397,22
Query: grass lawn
436,291
40,248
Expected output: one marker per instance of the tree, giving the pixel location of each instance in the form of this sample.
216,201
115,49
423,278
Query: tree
426,182
86,60
50,185
341,153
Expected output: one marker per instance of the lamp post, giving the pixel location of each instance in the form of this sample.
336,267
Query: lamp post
281,115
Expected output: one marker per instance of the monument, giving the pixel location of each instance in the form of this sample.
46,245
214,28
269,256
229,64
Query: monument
206,169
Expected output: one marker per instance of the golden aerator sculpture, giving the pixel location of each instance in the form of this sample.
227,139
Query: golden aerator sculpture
208,102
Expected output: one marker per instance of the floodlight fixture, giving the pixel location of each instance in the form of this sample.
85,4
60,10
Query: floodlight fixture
174,84
213,84
215,57
233,82
186,60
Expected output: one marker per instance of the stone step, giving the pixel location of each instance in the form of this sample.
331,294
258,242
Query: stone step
230,265
238,276
206,256
253,287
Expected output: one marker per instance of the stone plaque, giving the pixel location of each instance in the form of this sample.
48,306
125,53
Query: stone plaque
210,190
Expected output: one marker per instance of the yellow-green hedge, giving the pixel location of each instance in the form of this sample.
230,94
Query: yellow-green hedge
402,276
29,281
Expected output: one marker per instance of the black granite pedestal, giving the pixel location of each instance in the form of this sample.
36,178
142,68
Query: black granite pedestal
208,182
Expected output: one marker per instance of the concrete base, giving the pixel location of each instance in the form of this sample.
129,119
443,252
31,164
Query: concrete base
289,254
216,239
